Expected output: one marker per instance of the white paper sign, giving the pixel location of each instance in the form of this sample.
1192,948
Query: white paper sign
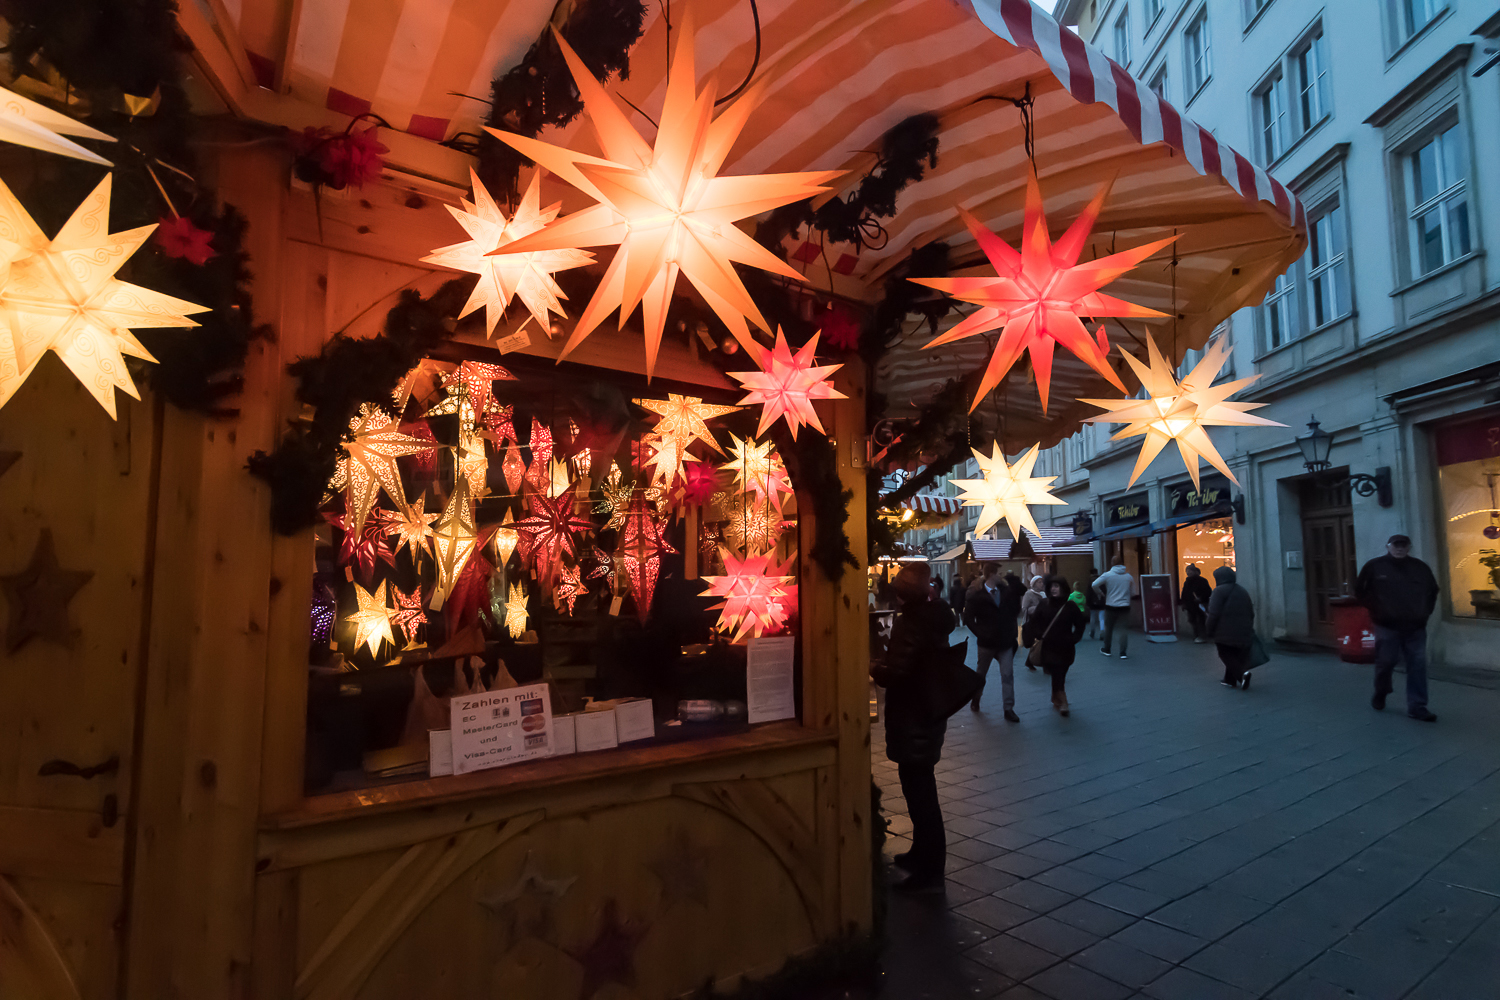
634,720
564,735
595,731
768,678
501,727
439,752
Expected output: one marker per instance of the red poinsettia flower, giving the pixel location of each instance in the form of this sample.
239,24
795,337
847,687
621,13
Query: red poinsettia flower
841,327
180,238
353,158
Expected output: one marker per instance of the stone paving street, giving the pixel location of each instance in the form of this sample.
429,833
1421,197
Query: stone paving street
1180,840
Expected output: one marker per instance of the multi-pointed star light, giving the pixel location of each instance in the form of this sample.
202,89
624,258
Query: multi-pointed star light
61,295
515,611
567,588
1039,293
787,384
755,525
369,465
24,122
641,547
1006,491
754,592
470,389
372,622
1179,411
684,419
408,613
453,540
411,526
362,547
614,498
663,203
548,533
758,469
504,275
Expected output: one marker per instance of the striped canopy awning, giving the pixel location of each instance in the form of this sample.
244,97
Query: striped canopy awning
932,503
839,75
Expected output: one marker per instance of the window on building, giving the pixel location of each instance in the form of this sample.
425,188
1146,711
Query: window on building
1277,315
1159,82
1254,7
1122,38
1438,194
1412,15
1468,460
1270,115
1311,61
1327,267
1153,11
1195,44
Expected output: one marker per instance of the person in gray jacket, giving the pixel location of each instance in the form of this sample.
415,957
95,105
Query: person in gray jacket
1231,626
1116,588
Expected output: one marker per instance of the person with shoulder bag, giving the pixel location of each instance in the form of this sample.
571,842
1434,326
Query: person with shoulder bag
1231,626
990,611
914,731
1056,628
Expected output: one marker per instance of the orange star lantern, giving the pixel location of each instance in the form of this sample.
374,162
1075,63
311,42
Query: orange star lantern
370,463
640,550
662,203
758,469
1039,293
787,384
454,539
547,535
756,594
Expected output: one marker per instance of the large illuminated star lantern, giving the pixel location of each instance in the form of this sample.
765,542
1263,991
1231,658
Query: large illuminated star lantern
755,594
369,465
454,539
1006,491
504,275
1039,293
372,622
547,534
662,203
515,611
787,384
1179,411
24,122
758,469
684,419
61,295
642,544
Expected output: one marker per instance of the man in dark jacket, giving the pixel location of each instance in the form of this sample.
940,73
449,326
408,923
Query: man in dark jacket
1400,593
990,612
1194,600
1230,625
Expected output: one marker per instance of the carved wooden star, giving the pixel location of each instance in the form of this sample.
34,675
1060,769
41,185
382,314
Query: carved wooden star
39,596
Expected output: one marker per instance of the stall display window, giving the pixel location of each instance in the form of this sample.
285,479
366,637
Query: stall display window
559,553
1469,493
1207,545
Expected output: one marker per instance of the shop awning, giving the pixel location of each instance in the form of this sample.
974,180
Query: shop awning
1222,509
932,503
954,553
1052,541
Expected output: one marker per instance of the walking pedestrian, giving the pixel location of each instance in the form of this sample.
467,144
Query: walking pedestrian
1031,599
956,595
1094,604
1115,589
990,610
936,586
1194,600
1401,593
913,739
1055,630
1079,598
1230,625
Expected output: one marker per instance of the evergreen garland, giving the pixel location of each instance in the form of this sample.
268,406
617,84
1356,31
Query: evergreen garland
813,464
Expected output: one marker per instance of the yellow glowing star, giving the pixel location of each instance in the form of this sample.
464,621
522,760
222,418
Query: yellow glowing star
664,205
1006,491
667,455
755,525
1039,293
1178,411
26,123
504,275
505,540
453,541
411,526
560,476
515,611
686,418
372,622
61,295
614,498
787,384
370,463
759,470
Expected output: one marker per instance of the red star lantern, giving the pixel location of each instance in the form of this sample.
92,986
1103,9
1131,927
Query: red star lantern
699,484
500,422
547,534
787,384
1039,293
514,468
640,550
408,613
362,547
567,588
539,472
755,594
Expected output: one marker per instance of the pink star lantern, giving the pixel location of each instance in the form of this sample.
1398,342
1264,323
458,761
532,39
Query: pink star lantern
408,613
640,551
547,534
699,483
539,472
362,547
787,384
568,588
1039,292
755,594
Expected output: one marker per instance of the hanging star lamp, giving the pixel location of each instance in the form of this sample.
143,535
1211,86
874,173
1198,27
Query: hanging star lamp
787,384
372,622
362,547
755,525
567,588
604,568
614,499
61,295
514,468
755,598
369,463
1039,293
547,534
453,541
504,275
684,419
698,483
1006,491
1179,411
506,538
408,613
539,472
24,122
663,204
411,526
758,469
515,611
500,422
641,547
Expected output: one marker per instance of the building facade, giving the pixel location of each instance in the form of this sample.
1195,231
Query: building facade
1384,117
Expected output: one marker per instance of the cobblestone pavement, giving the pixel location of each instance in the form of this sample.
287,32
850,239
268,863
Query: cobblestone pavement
1181,840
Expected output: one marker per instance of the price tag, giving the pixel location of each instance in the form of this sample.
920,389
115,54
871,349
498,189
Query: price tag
521,338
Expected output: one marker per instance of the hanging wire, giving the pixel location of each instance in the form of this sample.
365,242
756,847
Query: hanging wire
754,64
1026,104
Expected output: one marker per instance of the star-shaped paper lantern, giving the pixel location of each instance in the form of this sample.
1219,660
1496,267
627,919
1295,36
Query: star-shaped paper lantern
754,592
787,384
614,499
567,588
1006,491
515,611
362,548
514,468
372,622
408,613
453,541
755,525
604,568
685,418
666,458
411,526
369,465
1039,293
758,470
504,275
539,472
61,295
506,538
500,422
24,122
663,204
38,597
470,389
1179,411
640,550
547,534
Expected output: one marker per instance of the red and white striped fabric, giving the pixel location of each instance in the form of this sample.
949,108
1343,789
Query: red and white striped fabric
932,503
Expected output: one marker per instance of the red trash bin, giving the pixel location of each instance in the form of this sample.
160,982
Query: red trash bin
1354,630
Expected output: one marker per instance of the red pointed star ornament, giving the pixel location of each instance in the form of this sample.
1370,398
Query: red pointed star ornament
179,237
1040,292
755,594
787,384
362,547
642,544
547,534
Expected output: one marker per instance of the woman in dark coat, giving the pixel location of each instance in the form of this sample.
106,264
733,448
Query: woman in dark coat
913,740
1231,626
1057,625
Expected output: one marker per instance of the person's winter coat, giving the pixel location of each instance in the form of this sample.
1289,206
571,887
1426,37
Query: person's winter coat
993,625
1231,615
1195,592
1118,586
1029,603
919,634
956,593
1060,639
1400,593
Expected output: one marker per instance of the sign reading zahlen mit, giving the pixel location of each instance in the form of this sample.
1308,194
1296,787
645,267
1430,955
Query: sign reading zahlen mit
501,727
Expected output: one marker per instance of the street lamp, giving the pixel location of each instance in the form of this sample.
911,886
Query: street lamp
1317,444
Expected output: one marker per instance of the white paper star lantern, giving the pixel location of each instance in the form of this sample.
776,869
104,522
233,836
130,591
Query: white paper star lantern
24,122
1006,491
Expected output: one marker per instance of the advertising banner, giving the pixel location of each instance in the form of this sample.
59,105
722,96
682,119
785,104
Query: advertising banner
1159,607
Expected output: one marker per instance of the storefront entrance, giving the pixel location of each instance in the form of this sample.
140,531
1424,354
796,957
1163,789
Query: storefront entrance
1328,547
